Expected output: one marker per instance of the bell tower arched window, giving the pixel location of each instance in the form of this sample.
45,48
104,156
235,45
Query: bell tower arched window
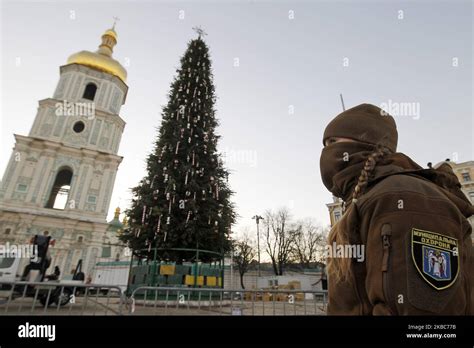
60,191
89,92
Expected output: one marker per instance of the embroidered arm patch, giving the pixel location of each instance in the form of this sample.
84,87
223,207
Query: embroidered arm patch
436,257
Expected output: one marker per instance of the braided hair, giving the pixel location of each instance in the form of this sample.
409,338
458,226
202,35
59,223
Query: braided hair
339,268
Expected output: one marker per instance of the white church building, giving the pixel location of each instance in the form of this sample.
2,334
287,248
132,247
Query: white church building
60,177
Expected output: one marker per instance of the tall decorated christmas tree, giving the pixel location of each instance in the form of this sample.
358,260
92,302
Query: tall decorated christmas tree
184,199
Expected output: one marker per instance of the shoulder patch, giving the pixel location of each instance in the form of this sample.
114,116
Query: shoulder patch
436,257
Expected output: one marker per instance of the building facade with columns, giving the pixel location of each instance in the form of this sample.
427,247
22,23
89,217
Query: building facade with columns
465,173
335,210
60,177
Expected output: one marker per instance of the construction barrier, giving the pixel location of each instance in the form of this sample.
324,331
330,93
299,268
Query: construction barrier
211,301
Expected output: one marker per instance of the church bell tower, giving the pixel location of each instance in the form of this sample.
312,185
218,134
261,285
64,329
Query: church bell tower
60,177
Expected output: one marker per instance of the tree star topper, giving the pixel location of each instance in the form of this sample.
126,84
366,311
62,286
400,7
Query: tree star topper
200,31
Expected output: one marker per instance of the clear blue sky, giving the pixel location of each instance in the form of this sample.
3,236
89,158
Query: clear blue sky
284,63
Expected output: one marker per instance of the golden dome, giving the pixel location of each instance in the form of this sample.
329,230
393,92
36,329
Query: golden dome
101,59
112,33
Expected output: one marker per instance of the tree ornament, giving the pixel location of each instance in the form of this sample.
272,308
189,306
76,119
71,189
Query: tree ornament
143,214
152,181
158,225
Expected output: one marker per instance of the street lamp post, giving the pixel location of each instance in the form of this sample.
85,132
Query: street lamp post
257,220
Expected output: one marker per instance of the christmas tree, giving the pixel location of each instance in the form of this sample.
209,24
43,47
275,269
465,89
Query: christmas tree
184,199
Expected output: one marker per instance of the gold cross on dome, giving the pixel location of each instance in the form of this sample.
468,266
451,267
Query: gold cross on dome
115,21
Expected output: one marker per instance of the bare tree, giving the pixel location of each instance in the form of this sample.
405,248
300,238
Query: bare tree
309,243
244,253
278,238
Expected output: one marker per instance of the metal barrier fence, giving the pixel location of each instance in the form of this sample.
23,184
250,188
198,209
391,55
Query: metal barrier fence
54,298
59,298
200,301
